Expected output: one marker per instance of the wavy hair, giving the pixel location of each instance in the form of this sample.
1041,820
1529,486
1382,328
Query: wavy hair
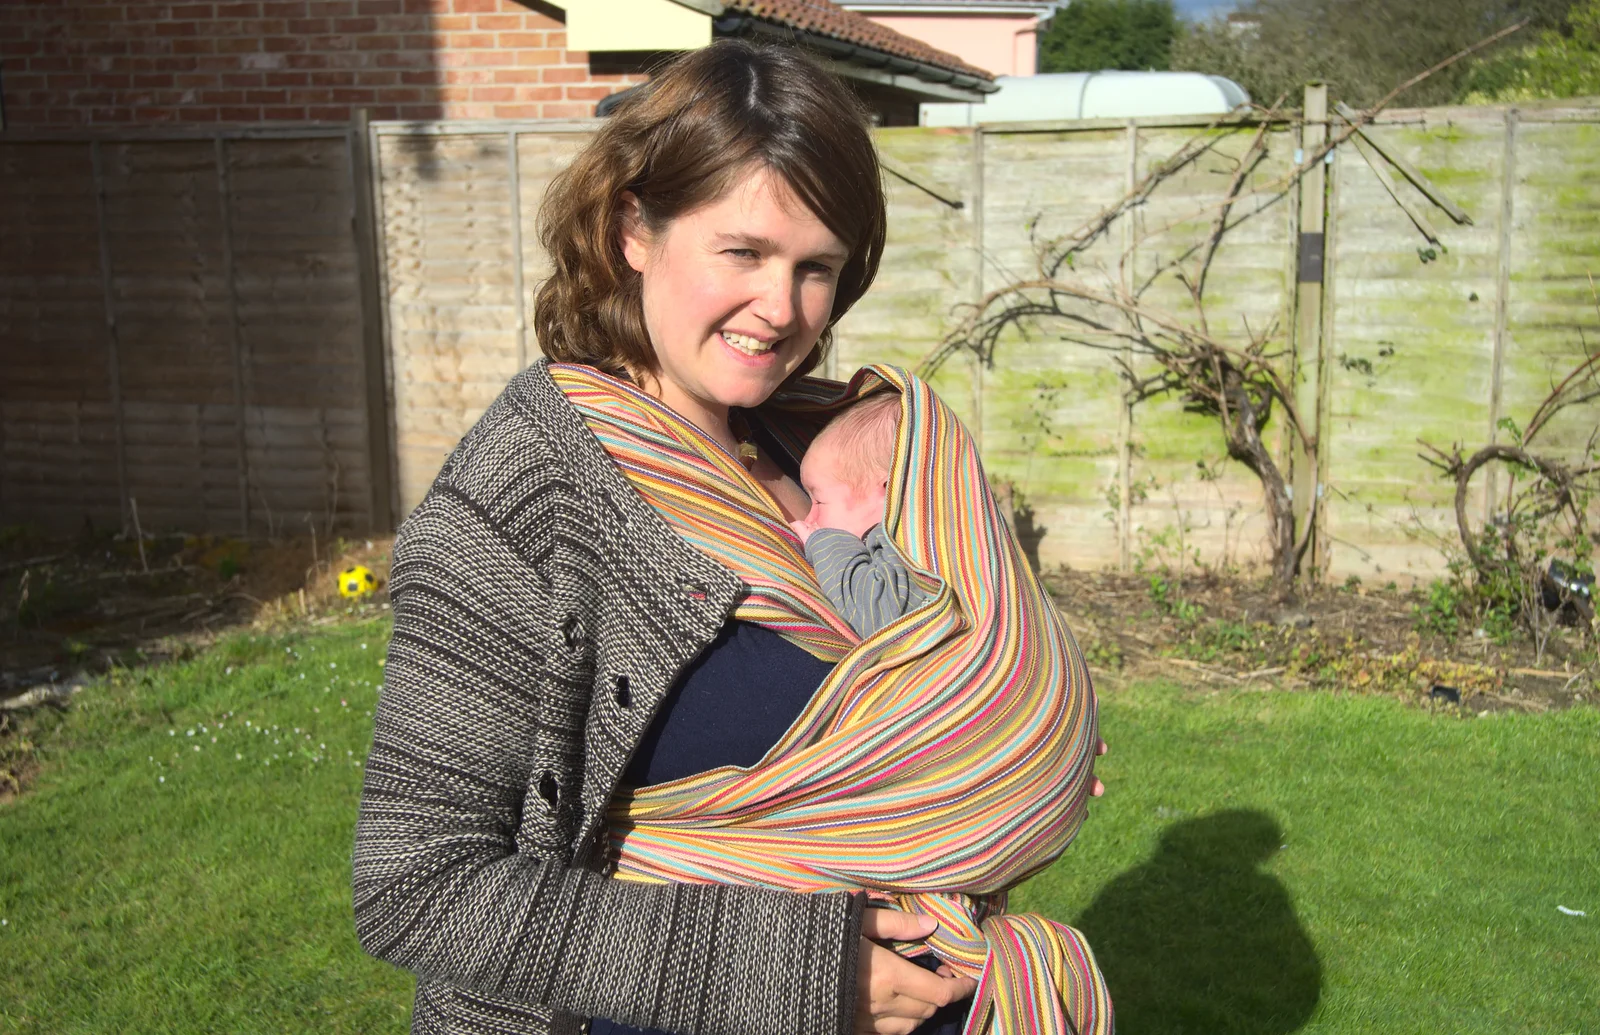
683,142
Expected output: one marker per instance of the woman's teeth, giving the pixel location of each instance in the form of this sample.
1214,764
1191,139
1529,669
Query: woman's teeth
746,344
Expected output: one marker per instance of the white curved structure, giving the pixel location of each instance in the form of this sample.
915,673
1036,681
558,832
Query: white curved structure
1094,95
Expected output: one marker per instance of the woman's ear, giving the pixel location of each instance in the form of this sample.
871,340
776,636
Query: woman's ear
631,232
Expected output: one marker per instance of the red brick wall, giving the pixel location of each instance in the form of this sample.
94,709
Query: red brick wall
91,62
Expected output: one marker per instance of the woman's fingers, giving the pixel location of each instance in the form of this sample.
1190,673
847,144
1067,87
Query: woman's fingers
1097,788
893,925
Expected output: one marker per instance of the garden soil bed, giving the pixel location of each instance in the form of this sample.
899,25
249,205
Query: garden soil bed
71,609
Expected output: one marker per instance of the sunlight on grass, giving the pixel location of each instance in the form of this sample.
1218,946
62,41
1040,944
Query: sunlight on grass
184,861
1277,862
1263,862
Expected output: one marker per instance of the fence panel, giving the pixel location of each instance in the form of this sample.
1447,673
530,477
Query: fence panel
58,427
181,321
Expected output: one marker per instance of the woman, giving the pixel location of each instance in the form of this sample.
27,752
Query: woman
703,245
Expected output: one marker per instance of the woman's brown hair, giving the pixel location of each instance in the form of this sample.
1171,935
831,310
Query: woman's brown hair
701,123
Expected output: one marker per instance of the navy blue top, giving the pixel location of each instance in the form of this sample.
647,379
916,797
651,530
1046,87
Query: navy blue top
729,707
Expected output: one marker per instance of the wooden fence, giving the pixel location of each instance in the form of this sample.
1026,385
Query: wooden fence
1406,340
190,322
182,319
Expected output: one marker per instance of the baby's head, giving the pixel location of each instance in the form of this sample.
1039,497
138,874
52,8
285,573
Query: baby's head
846,470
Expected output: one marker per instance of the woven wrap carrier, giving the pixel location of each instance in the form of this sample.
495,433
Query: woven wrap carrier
944,760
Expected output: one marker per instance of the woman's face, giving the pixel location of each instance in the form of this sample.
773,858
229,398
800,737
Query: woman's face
736,293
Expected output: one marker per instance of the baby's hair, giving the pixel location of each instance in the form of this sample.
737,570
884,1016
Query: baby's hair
864,436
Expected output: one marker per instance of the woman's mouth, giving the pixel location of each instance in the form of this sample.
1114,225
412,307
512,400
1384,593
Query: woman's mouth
747,345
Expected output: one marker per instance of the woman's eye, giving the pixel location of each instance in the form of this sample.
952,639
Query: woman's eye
742,253
821,269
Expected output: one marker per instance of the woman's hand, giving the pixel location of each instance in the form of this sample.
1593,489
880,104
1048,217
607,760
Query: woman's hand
893,995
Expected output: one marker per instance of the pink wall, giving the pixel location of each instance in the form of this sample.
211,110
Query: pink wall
1002,43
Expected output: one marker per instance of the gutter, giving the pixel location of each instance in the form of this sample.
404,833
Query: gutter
747,25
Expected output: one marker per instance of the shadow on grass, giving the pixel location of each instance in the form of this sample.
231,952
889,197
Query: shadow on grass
1199,939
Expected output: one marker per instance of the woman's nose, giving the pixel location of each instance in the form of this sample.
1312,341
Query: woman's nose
775,302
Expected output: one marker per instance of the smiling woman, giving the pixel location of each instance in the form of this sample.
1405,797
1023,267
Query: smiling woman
569,628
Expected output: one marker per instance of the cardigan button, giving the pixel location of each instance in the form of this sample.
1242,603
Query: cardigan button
694,591
621,693
572,632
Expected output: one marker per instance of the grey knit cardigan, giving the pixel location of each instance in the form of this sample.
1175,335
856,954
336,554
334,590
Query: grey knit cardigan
542,609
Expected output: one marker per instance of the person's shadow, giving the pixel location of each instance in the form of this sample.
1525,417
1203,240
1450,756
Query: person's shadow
1199,939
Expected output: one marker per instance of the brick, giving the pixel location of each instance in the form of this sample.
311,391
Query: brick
237,45
196,113
399,95
310,26
175,29
518,111
419,78
326,113
443,23
352,95
498,22
284,9
286,113
149,81
469,58
494,93
286,78
331,77
283,44
566,75
239,10
567,110
538,57
198,45
515,75
589,93
378,42
521,40
355,25
329,8
469,40
264,97
220,97
420,111
557,38
241,80
475,6
468,75
406,23
380,7
414,59
186,11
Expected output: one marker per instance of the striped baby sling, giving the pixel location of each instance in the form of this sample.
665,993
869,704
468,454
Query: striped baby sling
945,759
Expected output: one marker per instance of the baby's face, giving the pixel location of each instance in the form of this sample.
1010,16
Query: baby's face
834,502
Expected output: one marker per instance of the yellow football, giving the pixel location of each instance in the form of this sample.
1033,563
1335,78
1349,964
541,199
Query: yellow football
357,581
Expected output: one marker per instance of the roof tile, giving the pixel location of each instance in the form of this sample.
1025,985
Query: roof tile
829,19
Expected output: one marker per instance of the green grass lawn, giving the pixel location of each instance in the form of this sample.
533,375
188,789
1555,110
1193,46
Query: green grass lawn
1262,863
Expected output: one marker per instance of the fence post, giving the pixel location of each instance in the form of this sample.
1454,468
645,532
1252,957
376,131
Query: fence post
1308,346
977,277
1502,302
241,394
1125,412
113,360
364,187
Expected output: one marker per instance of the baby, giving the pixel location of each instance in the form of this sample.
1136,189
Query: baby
846,474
